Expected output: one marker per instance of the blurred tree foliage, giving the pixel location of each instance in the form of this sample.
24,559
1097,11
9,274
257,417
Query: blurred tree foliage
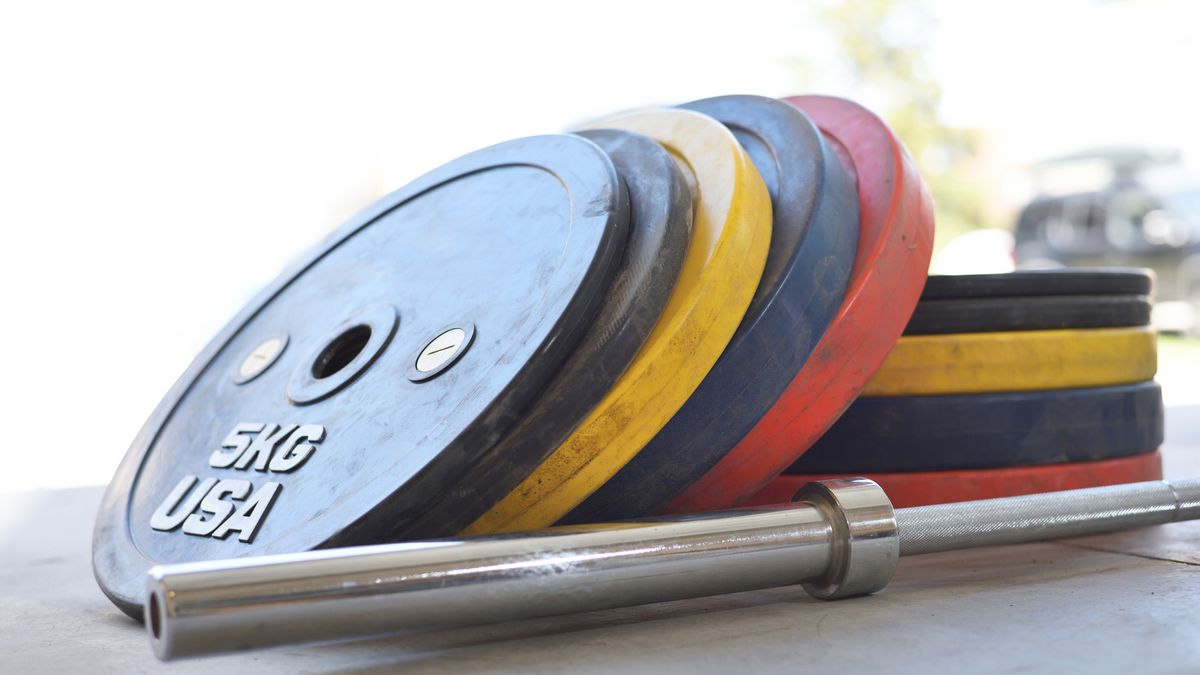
881,44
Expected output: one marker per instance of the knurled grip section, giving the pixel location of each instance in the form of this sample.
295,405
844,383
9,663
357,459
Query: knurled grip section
1014,520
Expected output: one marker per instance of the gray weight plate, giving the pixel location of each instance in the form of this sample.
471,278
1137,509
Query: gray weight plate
339,403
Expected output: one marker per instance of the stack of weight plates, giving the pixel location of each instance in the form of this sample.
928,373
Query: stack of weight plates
1005,384
659,311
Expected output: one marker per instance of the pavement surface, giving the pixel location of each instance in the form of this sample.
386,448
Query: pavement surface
1119,603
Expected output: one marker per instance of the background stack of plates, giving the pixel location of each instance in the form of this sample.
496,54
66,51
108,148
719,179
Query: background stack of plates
1006,384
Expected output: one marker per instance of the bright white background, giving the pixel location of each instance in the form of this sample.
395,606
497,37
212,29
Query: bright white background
159,162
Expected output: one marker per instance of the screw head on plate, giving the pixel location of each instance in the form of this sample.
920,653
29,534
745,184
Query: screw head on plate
260,358
441,352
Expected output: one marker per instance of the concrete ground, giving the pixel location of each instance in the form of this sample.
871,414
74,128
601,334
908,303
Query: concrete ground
1120,603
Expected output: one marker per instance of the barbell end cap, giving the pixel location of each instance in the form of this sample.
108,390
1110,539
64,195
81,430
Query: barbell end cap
865,542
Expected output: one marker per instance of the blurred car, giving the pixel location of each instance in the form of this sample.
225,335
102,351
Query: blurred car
1146,215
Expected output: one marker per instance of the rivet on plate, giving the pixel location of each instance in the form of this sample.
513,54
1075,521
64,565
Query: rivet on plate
441,352
260,358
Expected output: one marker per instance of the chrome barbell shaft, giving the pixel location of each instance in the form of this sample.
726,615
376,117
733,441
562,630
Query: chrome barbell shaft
1049,515
840,538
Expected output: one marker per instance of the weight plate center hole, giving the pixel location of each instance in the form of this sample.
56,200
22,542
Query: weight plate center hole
341,351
